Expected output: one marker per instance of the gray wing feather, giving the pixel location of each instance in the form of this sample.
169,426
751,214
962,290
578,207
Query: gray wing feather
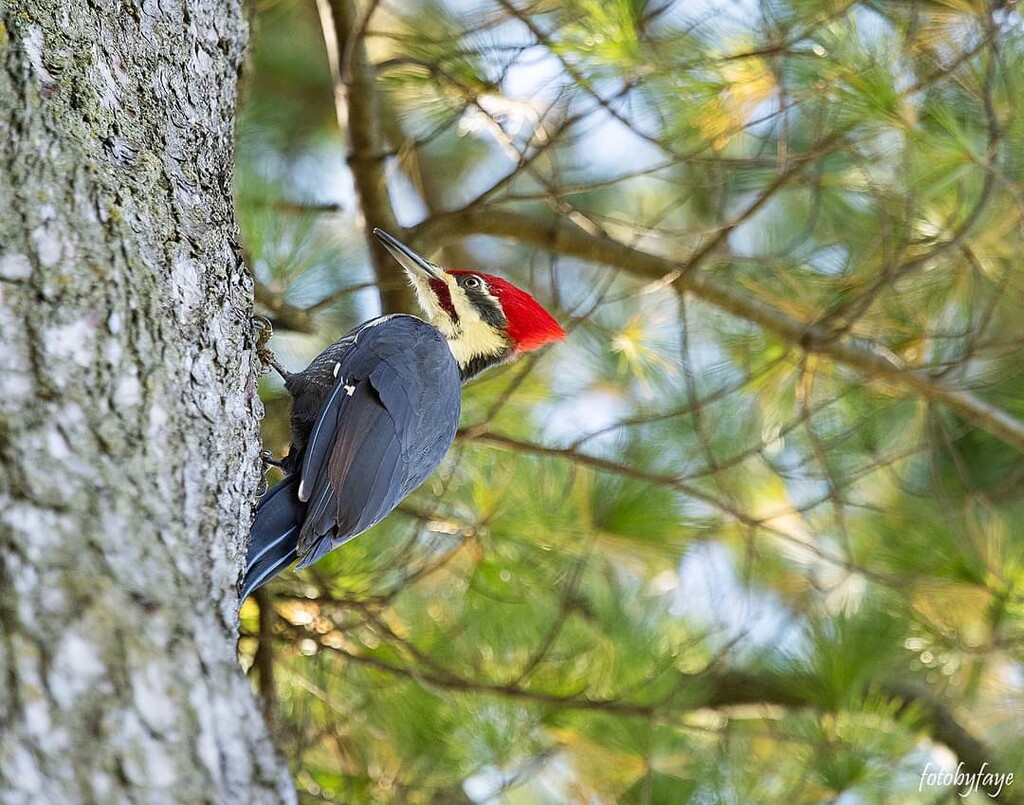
385,427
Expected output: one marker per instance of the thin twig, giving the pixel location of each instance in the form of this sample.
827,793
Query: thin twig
868,358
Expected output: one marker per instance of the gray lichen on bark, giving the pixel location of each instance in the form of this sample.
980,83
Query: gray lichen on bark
128,413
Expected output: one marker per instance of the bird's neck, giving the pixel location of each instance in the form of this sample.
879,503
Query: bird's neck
475,345
478,363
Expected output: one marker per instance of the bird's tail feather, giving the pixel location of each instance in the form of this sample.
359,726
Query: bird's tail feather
274,534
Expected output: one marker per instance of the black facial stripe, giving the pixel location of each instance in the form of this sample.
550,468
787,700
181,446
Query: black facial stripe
487,306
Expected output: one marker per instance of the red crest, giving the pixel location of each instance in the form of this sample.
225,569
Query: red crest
530,326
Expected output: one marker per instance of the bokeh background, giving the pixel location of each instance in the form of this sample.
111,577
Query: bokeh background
755,532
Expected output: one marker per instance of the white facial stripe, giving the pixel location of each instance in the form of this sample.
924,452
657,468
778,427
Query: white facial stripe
425,296
475,336
472,337
465,309
476,339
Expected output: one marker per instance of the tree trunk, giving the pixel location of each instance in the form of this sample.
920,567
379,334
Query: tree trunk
128,411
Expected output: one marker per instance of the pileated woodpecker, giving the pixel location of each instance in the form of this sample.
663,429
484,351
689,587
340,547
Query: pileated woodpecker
375,412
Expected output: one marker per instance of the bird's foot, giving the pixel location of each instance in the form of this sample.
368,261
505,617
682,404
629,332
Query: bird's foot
264,330
270,461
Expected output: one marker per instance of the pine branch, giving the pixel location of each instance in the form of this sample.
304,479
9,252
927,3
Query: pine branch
719,689
869,359
264,659
357,107
284,316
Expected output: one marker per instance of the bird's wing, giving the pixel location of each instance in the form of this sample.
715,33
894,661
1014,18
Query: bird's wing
387,423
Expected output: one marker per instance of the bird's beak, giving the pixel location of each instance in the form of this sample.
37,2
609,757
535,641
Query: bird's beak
407,258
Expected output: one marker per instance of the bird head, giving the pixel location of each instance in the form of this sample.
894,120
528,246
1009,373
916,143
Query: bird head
486,319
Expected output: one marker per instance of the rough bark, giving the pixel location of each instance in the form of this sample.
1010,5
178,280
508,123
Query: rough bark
128,410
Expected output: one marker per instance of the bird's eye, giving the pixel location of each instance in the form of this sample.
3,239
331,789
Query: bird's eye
471,282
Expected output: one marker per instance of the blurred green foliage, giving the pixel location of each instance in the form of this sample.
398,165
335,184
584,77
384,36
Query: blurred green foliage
677,558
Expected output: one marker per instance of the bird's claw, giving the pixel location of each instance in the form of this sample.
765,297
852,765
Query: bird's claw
269,460
264,330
